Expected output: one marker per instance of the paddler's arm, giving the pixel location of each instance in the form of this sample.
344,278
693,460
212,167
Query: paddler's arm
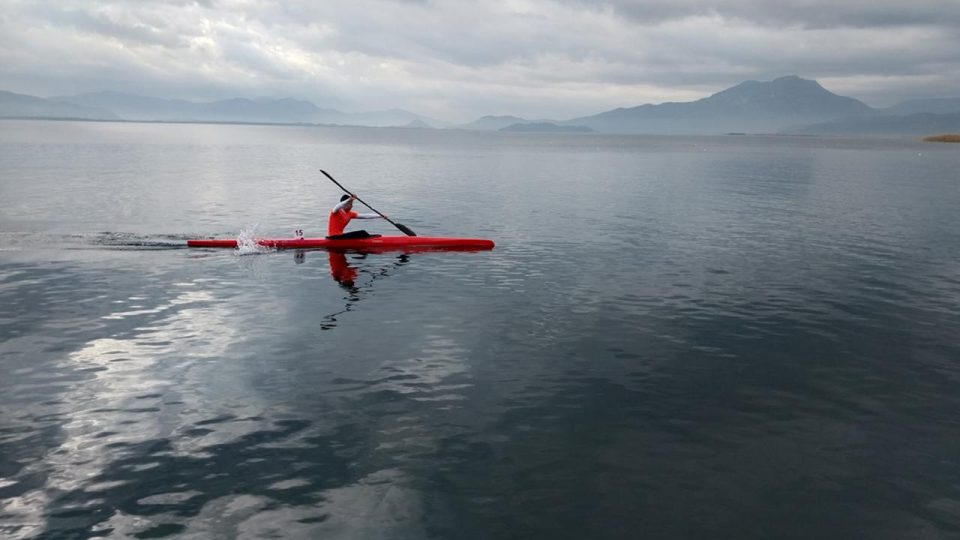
352,198
340,205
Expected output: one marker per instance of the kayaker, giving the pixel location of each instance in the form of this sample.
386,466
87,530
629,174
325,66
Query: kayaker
341,215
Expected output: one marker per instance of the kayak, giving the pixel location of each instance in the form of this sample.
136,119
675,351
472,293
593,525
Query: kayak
377,243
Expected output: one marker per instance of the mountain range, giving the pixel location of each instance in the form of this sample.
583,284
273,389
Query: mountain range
785,105
121,106
23,106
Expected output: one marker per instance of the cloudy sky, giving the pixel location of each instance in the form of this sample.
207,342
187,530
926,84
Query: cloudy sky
456,60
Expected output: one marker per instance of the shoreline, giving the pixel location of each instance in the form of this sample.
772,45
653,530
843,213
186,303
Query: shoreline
943,138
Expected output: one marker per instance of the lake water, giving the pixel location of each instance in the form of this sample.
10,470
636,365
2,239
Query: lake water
680,337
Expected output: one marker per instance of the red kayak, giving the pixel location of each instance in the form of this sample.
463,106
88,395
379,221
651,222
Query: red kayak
377,243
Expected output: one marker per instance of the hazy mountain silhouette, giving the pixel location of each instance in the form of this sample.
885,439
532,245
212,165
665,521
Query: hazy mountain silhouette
935,106
266,110
417,124
24,106
133,107
492,123
546,127
386,118
261,110
910,124
788,104
751,107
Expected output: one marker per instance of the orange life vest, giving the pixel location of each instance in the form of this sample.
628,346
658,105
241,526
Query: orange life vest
338,221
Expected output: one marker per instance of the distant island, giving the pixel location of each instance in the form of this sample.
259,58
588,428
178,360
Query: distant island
946,137
545,127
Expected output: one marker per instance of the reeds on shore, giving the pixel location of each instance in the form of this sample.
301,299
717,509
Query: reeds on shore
946,137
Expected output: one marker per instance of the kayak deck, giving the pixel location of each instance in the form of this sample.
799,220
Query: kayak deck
379,243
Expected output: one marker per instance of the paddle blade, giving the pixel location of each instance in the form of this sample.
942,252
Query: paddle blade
406,230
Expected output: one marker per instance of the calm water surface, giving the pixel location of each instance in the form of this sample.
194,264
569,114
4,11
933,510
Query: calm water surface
718,337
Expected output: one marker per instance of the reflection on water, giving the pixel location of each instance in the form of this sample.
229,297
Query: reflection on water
160,433
680,338
342,272
346,275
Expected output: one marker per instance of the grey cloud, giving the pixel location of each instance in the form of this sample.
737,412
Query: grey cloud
544,56
146,30
806,13
407,31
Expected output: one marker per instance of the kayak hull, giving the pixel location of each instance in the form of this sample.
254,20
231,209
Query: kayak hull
379,243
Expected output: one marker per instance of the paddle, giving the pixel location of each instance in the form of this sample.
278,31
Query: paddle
403,228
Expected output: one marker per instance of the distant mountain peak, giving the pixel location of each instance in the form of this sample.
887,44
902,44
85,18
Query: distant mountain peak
794,80
748,107
780,88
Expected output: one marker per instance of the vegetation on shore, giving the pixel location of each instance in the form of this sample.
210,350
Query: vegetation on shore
946,137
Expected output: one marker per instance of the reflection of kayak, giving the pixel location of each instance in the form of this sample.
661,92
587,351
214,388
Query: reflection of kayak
378,243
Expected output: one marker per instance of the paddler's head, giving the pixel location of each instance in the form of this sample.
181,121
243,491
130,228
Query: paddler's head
349,205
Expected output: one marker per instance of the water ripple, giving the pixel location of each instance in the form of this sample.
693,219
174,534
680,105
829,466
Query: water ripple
673,337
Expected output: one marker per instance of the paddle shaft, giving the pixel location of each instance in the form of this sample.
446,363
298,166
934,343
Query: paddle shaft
406,230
